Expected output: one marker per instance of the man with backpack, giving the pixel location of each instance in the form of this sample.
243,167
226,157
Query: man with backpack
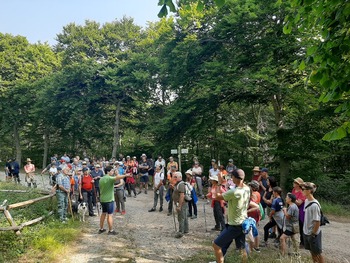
180,205
312,223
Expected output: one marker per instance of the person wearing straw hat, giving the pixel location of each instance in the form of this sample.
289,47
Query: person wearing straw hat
300,202
29,168
256,173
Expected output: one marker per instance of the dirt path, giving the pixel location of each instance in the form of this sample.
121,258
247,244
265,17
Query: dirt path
149,237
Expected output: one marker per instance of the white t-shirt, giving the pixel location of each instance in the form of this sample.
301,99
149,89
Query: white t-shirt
157,178
197,170
213,172
162,163
312,213
53,170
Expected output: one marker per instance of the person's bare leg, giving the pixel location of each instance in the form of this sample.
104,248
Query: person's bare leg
283,244
102,220
110,222
218,254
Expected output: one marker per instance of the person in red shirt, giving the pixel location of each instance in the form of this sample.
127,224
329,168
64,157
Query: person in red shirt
86,189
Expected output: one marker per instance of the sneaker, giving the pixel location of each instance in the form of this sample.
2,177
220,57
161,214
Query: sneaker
100,231
256,249
123,212
112,233
193,217
215,229
178,235
152,210
117,211
168,214
160,209
92,215
265,244
272,235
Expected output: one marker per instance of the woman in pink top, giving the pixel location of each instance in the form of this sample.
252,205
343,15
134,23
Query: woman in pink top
29,168
300,200
217,205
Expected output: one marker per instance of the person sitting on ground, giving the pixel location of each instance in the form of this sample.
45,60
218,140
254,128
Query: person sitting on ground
180,205
291,224
107,199
158,188
217,205
276,215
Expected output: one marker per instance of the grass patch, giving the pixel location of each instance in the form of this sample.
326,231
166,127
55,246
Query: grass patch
42,242
333,209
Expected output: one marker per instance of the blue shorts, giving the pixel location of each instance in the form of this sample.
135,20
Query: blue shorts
229,234
144,178
314,244
108,207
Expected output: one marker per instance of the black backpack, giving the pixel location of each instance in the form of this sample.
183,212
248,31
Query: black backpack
324,219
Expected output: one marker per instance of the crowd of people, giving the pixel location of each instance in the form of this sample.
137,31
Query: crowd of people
238,205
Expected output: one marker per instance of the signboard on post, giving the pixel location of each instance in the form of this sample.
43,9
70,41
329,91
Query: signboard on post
184,151
173,151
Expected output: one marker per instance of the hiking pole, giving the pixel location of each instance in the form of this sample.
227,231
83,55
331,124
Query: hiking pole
174,217
205,218
70,205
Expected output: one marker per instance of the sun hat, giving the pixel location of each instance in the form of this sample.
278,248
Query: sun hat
256,169
189,171
299,181
29,160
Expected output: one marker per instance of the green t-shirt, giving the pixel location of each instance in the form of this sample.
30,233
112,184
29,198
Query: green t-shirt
238,201
107,189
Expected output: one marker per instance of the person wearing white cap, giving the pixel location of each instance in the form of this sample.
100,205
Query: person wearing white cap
193,202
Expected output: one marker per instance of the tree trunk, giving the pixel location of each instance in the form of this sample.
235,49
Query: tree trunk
17,144
46,148
116,136
283,162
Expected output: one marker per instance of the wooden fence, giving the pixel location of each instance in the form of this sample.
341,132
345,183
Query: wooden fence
6,210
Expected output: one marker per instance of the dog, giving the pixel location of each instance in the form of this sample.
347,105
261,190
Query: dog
82,210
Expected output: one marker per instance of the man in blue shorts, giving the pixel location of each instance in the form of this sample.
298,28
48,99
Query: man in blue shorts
238,201
107,198
312,223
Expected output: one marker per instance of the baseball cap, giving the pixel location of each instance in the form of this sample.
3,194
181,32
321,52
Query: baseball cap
213,160
85,169
264,170
230,160
59,168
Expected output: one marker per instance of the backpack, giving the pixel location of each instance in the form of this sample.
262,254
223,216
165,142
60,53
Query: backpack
188,191
324,219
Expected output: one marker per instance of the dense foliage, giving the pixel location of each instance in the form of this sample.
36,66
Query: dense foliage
220,78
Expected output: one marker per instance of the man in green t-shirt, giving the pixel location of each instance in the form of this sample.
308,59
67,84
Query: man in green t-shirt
107,198
238,201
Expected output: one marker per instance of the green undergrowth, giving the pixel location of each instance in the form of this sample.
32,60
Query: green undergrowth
335,210
41,242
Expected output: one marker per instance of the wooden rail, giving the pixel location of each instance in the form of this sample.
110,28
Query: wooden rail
5,208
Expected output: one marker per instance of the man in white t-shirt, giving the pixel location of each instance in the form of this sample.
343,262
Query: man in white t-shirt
158,189
160,162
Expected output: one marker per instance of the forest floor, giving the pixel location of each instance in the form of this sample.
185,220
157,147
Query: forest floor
148,237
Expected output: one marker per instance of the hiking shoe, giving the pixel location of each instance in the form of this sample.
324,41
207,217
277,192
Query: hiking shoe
216,229
160,209
272,235
113,233
100,231
152,210
256,249
193,217
123,212
178,235
92,215
168,214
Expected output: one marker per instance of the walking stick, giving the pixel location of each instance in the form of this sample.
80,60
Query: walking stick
70,206
174,216
205,218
